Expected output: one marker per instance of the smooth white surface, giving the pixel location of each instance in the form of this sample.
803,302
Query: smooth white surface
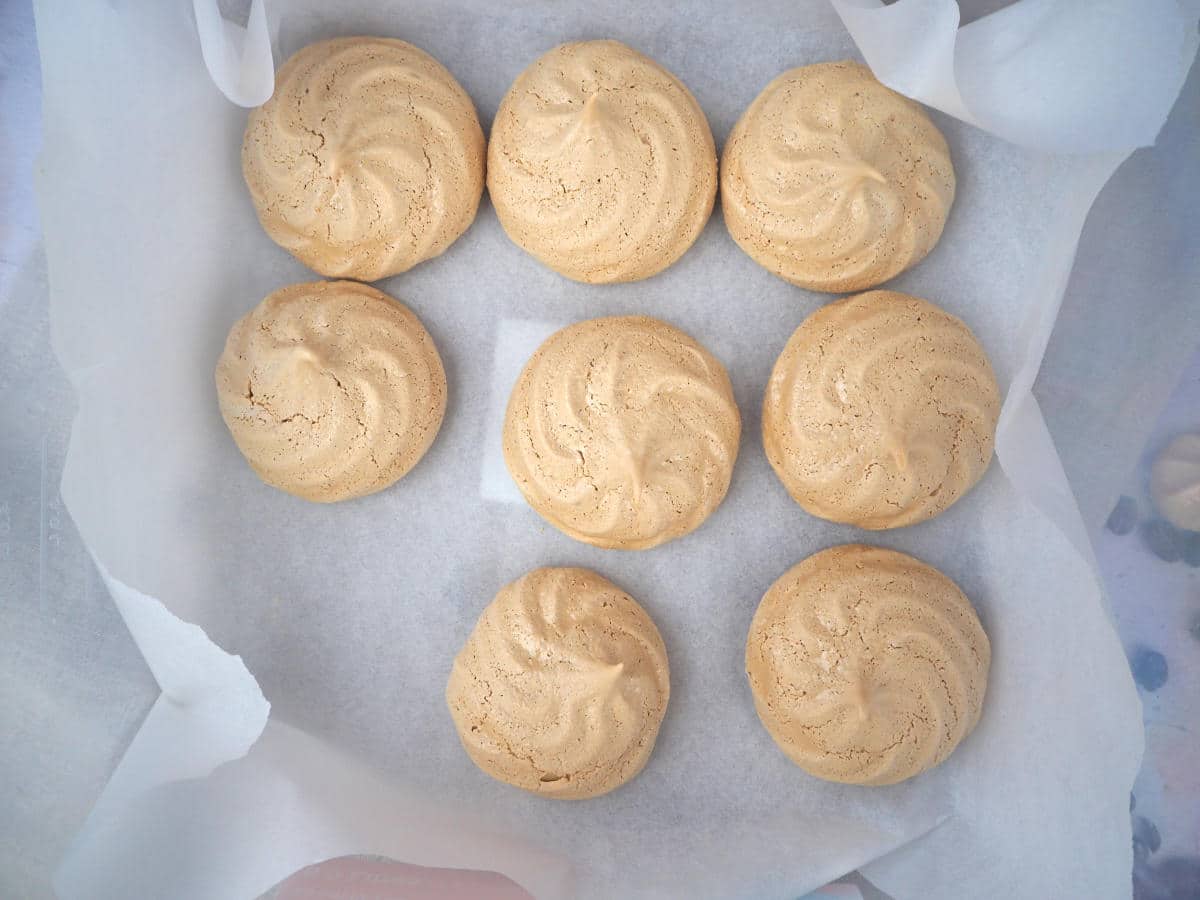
805,300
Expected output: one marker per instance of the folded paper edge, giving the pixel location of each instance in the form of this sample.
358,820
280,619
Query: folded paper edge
930,73
245,73
927,72
205,690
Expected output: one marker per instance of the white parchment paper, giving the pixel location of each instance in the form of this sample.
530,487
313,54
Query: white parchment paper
347,617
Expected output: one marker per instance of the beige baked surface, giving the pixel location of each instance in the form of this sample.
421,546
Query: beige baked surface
331,390
833,181
867,666
1175,482
367,160
622,432
561,686
881,411
601,164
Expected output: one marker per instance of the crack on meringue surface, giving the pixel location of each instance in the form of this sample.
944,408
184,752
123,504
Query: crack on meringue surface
331,390
880,411
562,685
622,432
834,182
884,698
368,159
601,164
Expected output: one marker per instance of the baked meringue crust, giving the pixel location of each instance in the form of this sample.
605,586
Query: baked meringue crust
622,432
562,685
331,390
834,182
866,665
367,160
881,411
601,164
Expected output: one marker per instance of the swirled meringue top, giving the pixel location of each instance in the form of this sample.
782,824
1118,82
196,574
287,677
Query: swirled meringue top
601,164
881,411
367,160
867,666
834,182
331,390
562,685
622,432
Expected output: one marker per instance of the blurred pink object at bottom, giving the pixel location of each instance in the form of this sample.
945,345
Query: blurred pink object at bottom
376,879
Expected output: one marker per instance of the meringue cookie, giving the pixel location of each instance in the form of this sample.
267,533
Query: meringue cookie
867,666
331,390
1175,482
562,685
601,164
367,160
834,182
881,411
622,432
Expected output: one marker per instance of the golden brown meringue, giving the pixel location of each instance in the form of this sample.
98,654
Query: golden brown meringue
622,432
1175,482
562,685
331,390
367,160
834,182
601,163
867,666
881,411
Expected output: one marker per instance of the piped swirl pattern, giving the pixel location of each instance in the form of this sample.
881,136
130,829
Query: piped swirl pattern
562,685
331,390
367,160
867,666
881,411
601,164
622,432
834,182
